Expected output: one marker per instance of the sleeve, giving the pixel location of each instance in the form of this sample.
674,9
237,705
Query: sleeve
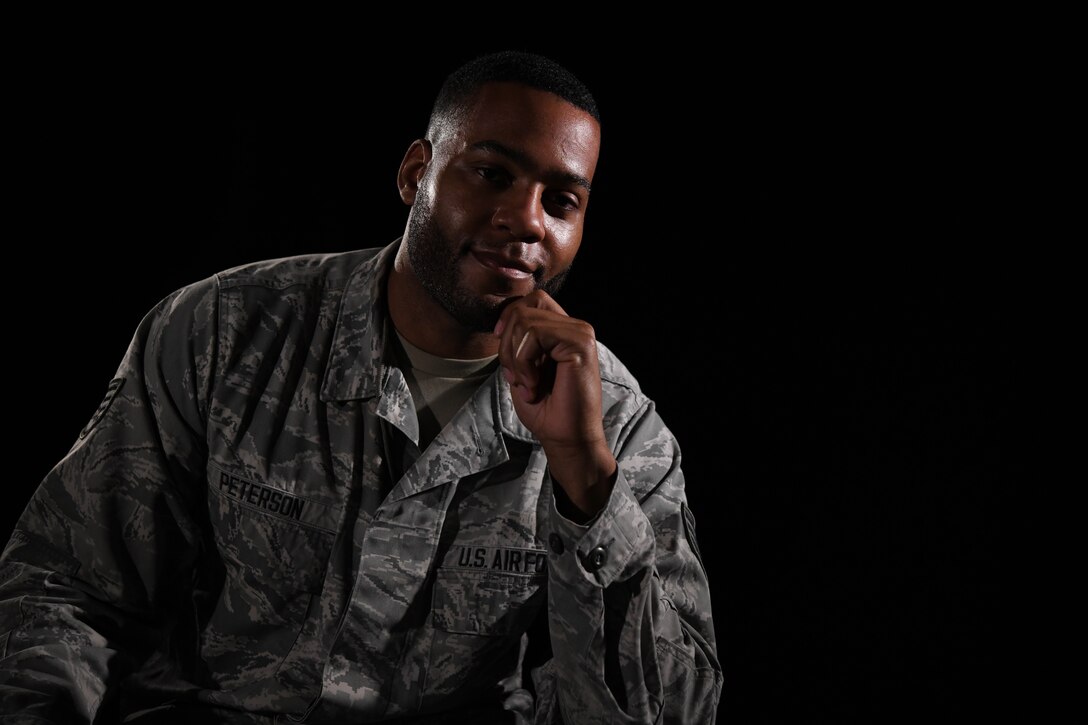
94,577
628,601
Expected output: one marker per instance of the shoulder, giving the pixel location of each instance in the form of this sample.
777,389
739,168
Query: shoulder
303,290
310,280
323,270
646,447
621,396
614,372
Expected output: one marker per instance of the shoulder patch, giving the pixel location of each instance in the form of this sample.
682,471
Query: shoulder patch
111,393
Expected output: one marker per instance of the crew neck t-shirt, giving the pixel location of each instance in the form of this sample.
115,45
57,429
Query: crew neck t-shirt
440,385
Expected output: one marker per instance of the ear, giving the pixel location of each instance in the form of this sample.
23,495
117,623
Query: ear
412,169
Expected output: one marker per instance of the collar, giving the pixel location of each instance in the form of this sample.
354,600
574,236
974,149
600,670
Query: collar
355,369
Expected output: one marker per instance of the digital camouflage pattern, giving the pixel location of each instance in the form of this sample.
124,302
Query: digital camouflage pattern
247,526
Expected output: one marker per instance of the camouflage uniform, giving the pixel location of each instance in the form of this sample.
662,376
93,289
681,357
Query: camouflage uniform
247,526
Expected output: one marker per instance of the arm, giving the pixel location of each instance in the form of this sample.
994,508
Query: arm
628,601
95,575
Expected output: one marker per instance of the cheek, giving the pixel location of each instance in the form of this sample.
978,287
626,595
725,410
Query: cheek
460,213
565,240
452,222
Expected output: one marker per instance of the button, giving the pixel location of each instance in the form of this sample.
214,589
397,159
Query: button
555,542
595,559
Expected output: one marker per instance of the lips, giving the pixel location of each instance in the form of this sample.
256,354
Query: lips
511,267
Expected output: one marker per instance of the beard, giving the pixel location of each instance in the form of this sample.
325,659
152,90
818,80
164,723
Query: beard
435,261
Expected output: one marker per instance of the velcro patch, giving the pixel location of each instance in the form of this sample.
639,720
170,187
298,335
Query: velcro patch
689,533
111,393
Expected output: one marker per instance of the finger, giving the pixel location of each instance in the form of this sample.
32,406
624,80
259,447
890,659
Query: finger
546,342
521,345
538,299
534,333
523,353
518,354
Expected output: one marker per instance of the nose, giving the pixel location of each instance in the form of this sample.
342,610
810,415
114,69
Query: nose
520,212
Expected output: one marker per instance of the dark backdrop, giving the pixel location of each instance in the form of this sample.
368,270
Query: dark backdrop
786,245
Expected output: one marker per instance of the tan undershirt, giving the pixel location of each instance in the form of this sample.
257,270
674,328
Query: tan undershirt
440,386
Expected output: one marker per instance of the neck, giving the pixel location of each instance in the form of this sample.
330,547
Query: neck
423,322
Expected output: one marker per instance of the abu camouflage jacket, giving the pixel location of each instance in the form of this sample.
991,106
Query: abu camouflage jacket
246,531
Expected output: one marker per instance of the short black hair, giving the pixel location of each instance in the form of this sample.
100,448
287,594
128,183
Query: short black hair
511,66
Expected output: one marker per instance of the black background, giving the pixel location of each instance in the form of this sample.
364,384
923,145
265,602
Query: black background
789,244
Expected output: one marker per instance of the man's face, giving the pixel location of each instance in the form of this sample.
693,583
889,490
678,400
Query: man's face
500,208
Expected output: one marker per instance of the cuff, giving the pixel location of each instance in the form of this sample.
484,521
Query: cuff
614,545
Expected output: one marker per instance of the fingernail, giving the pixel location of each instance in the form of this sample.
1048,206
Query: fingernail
498,327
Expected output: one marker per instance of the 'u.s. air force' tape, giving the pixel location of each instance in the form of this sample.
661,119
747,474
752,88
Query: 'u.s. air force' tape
275,501
498,559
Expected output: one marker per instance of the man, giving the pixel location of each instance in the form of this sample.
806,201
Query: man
312,493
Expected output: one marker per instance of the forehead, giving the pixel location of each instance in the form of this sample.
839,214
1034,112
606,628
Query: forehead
551,130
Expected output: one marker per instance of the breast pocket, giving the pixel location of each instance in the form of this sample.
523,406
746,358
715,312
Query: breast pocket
275,562
286,555
491,604
478,620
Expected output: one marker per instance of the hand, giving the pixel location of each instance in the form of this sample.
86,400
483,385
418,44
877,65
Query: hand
550,361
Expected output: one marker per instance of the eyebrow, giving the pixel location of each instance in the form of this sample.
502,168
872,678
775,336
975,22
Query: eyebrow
522,159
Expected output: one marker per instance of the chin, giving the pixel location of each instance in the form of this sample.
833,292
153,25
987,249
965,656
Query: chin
480,320
478,312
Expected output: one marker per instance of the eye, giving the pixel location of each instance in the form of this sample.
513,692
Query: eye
493,175
565,202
